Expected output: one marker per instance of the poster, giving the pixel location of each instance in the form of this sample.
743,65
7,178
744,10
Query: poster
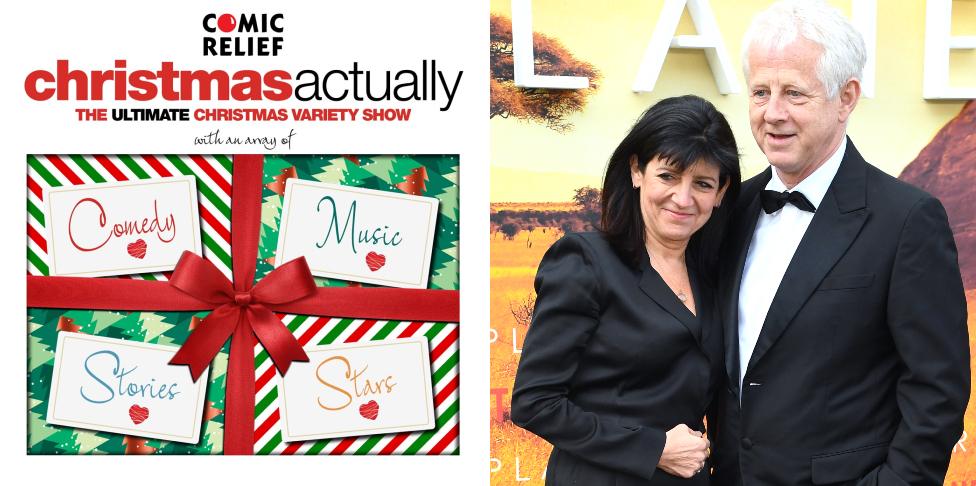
112,93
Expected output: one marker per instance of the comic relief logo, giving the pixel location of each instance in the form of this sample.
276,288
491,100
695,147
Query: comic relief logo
243,34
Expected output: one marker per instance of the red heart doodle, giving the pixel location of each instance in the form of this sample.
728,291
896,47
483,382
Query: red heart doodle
375,261
138,414
137,248
369,410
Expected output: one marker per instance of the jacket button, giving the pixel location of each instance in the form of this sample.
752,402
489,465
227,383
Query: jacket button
746,443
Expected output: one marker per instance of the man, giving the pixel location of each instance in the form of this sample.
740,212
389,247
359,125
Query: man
844,312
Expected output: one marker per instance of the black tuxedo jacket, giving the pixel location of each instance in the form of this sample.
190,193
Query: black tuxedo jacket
611,362
861,371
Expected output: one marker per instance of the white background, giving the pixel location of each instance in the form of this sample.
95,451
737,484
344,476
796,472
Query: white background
324,36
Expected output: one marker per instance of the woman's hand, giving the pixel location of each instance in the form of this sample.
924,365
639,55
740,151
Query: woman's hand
685,451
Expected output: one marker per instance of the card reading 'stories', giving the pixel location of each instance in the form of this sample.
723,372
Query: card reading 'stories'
367,388
121,228
362,235
125,387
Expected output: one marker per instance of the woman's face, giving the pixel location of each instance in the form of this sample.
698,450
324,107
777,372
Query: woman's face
674,204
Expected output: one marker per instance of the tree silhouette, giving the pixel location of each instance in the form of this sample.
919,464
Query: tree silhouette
547,106
572,226
510,230
588,200
522,309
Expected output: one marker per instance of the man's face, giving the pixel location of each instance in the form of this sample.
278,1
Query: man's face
794,123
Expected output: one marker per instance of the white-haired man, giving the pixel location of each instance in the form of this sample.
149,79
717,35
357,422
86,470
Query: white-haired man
843,306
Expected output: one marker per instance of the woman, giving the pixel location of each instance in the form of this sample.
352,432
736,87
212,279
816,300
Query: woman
625,350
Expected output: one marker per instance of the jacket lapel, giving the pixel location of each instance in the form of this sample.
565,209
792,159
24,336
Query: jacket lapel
834,227
654,287
705,308
740,236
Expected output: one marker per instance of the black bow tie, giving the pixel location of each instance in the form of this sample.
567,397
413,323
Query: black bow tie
773,201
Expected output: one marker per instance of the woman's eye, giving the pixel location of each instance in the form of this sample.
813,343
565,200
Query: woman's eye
704,185
664,176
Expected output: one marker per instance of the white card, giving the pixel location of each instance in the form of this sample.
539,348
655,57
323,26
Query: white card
125,387
362,235
367,388
121,228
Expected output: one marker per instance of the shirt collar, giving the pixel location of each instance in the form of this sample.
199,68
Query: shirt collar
815,186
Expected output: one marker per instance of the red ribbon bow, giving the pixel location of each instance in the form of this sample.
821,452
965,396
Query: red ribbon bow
241,311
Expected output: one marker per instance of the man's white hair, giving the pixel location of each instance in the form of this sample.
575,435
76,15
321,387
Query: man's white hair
844,53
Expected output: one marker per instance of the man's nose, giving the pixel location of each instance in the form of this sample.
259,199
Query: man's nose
776,110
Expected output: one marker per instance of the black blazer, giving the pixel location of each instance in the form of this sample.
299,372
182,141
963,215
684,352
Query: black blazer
611,362
861,371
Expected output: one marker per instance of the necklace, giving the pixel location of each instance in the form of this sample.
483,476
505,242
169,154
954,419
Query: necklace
664,273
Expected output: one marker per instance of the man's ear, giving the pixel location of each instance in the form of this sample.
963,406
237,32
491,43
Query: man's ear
849,95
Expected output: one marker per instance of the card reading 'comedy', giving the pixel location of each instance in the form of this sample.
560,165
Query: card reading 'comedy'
121,228
125,387
361,235
356,389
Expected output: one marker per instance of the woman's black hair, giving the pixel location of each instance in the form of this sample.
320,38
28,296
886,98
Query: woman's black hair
682,131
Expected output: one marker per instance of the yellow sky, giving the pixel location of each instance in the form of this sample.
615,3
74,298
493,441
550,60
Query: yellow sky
533,163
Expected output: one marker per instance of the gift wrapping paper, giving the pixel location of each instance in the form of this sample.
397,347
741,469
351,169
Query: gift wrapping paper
427,175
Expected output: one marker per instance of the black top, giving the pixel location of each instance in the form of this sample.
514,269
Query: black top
861,371
611,362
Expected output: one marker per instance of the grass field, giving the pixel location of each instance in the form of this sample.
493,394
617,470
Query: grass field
518,457
543,206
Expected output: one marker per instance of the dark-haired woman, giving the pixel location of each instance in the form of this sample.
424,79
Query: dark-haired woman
625,351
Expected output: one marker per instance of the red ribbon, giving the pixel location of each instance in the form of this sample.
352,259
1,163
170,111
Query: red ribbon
241,311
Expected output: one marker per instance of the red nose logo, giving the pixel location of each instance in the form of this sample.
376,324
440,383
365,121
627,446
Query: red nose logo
226,23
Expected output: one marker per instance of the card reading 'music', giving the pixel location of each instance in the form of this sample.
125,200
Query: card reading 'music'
125,387
362,235
96,230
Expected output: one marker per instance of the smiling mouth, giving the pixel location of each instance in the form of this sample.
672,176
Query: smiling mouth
677,214
779,137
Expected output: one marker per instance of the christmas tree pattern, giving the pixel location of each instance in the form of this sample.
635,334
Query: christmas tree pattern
422,175
427,175
170,328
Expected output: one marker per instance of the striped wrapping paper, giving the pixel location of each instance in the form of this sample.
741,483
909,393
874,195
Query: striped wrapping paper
213,174
213,185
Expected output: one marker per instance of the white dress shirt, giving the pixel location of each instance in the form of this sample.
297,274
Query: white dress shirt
774,242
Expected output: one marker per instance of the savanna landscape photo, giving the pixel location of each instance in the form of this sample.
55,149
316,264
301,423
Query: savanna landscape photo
520,235
550,148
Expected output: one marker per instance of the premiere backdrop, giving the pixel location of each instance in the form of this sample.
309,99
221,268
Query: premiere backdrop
549,148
